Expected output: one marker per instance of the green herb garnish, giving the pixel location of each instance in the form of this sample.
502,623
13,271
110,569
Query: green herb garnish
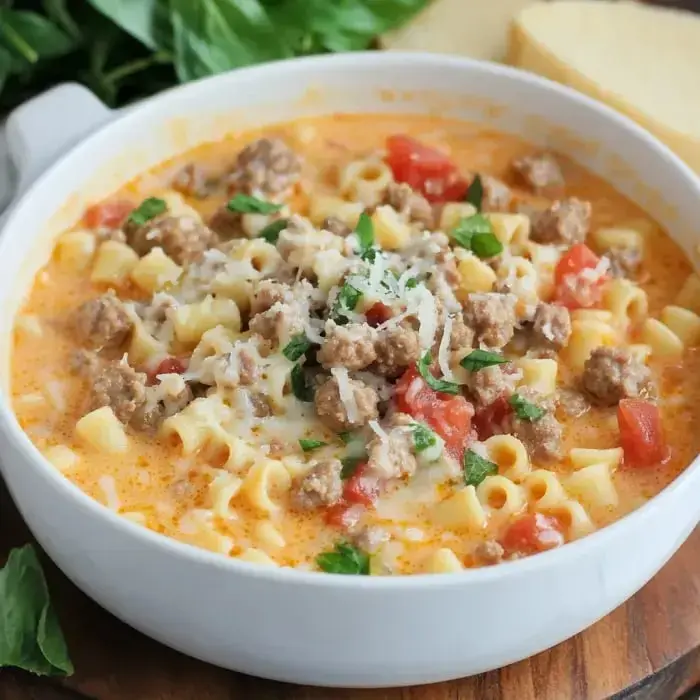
525,410
245,204
479,359
365,234
300,387
350,465
476,233
345,437
272,231
475,193
431,380
308,445
411,282
296,347
346,300
476,468
30,636
423,437
345,559
147,210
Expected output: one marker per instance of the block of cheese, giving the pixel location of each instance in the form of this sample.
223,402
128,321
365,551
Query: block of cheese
474,28
642,60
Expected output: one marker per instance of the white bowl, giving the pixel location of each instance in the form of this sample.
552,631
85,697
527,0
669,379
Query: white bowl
310,627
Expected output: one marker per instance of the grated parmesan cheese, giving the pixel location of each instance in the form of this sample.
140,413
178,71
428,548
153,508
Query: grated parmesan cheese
444,351
347,395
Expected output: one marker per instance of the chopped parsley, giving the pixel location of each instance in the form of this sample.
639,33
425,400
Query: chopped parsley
476,468
431,380
147,210
308,445
346,300
296,347
475,233
272,231
423,437
300,386
365,237
525,410
479,359
475,193
245,204
344,559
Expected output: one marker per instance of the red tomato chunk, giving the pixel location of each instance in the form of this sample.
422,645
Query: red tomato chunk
377,314
579,284
361,487
108,214
425,169
532,533
489,420
170,365
641,433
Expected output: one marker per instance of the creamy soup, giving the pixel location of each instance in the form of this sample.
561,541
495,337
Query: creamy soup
365,345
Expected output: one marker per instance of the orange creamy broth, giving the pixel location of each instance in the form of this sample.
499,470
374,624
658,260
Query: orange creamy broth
153,478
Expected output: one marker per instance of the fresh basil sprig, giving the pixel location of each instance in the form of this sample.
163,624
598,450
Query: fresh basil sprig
344,559
431,380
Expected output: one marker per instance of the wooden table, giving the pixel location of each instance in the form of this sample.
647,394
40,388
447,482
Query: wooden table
648,649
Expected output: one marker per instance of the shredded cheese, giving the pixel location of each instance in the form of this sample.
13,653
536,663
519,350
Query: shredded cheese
444,351
347,395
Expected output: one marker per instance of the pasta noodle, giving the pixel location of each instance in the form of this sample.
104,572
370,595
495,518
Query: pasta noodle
513,230
75,250
389,230
324,206
365,180
443,561
574,518
627,302
461,510
614,237
452,212
585,457
586,336
499,494
256,556
223,488
62,457
540,375
113,263
193,320
594,486
266,480
155,271
102,430
544,490
474,275
689,295
510,455
268,535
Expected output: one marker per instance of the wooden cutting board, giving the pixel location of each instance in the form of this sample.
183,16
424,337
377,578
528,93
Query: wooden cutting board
648,649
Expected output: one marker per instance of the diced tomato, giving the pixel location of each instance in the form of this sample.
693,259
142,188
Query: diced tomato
489,420
361,487
578,285
641,433
531,533
377,314
170,365
425,169
343,516
413,395
107,214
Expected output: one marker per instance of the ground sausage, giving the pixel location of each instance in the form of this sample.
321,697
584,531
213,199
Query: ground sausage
350,346
396,349
565,222
322,485
369,539
120,387
410,204
267,293
336,226
540,172
624,262
193,181
551,326
462,336
490,383
573,403
611,374
182,238
489,552
102,322
394,458
332,411
497,195
266,166
279,323
150,414
492,317
227,224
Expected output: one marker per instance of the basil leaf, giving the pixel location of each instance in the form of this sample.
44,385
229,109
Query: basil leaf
148,21
245,204
30,636
345,559
346,300
28,36
479,359
476,468
431,380
300,387
525,410
147,210
411,282
423,437
296,347
272,231
346,437
308,445
365,234
350,465
475,233
475,193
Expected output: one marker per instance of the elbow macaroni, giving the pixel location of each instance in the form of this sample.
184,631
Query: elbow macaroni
102,430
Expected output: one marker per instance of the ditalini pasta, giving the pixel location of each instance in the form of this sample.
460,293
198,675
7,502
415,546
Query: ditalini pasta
336,347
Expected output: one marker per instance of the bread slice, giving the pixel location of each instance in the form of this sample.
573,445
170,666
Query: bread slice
642,60
475,28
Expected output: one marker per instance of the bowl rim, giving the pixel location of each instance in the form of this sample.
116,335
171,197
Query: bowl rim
12,431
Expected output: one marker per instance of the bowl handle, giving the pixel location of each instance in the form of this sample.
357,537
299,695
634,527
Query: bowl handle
45,127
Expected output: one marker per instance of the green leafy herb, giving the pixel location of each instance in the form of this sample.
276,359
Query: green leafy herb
30,636
346,300
431,380
365,234
411,282
525,410
344,559
147,210
245,204
272,231
479,359
308,445
300,386
296,347
350,465
475,233
423,437
475,193
476,468
345,437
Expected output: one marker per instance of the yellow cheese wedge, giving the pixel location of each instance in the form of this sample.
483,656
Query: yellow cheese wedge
642,60
474,28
